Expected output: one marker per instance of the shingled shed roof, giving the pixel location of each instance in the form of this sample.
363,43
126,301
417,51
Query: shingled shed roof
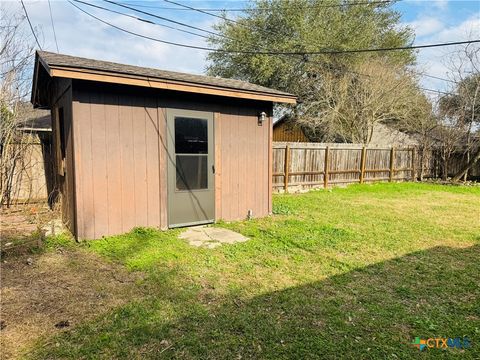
58,65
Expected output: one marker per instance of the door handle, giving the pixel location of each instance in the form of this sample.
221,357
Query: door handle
213,169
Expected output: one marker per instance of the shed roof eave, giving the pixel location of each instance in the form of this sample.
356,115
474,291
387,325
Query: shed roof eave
144,81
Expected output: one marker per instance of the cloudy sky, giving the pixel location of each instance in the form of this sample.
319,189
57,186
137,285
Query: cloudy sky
80,35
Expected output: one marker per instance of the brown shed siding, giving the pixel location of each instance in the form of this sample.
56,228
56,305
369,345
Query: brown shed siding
242,166
118,164
121,157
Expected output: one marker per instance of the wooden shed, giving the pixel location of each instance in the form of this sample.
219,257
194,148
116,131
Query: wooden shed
145,147
287,130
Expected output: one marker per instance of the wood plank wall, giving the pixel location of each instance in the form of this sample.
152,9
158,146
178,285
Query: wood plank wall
117,163
243,170
121,159
285,132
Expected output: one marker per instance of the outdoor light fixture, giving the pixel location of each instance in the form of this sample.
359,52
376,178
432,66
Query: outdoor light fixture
262,117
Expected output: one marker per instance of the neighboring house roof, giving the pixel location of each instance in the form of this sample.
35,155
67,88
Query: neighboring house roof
383,134
37,124
279,121
58,65
386,135
29,119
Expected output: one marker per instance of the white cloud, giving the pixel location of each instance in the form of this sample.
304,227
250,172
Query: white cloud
80,35
435,61
426,26
440,4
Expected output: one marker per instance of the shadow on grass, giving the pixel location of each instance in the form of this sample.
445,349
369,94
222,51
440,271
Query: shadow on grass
373,312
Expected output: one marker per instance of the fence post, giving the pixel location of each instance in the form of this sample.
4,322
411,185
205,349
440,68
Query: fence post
392,160
362,164
287,167
325,170
414,164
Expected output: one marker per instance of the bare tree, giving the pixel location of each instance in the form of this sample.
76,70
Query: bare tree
16,58
347,105
461,109
423,128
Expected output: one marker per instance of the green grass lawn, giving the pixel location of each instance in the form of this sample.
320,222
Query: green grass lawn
354,273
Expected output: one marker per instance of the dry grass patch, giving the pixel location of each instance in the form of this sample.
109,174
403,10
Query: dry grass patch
58,290
22,227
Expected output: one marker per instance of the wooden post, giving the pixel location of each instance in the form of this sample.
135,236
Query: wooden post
414,164
362,164
392,160
287,167
325,171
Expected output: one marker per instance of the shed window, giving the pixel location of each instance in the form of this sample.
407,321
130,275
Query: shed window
191,153
191,136
191,172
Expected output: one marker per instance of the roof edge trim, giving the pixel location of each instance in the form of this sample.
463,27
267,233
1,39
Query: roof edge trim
143,81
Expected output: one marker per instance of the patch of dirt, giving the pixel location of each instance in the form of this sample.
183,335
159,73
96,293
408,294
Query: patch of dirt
20,227
24,218
48,293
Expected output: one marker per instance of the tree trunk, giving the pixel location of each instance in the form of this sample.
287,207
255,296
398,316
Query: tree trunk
422,163
467,167
465,176
445,167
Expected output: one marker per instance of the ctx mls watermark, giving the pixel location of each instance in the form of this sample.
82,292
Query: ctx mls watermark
442,343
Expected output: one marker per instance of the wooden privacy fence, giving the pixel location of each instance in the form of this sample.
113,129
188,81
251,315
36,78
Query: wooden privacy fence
299,166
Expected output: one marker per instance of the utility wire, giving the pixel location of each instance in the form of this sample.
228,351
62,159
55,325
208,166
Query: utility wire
370,76
164,18
208,49
314,52
411,47
225,18
31,27
435,91
201,11
53,26
140,35
302,53
150,22
267,9
437,77
141,19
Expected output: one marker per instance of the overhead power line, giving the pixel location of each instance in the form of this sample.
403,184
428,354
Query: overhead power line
31,27
53,26
151,22
201,11
411,47
355,3
435,91
141,19
223,17
372,76
437,77
164,18
140,35
301,53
